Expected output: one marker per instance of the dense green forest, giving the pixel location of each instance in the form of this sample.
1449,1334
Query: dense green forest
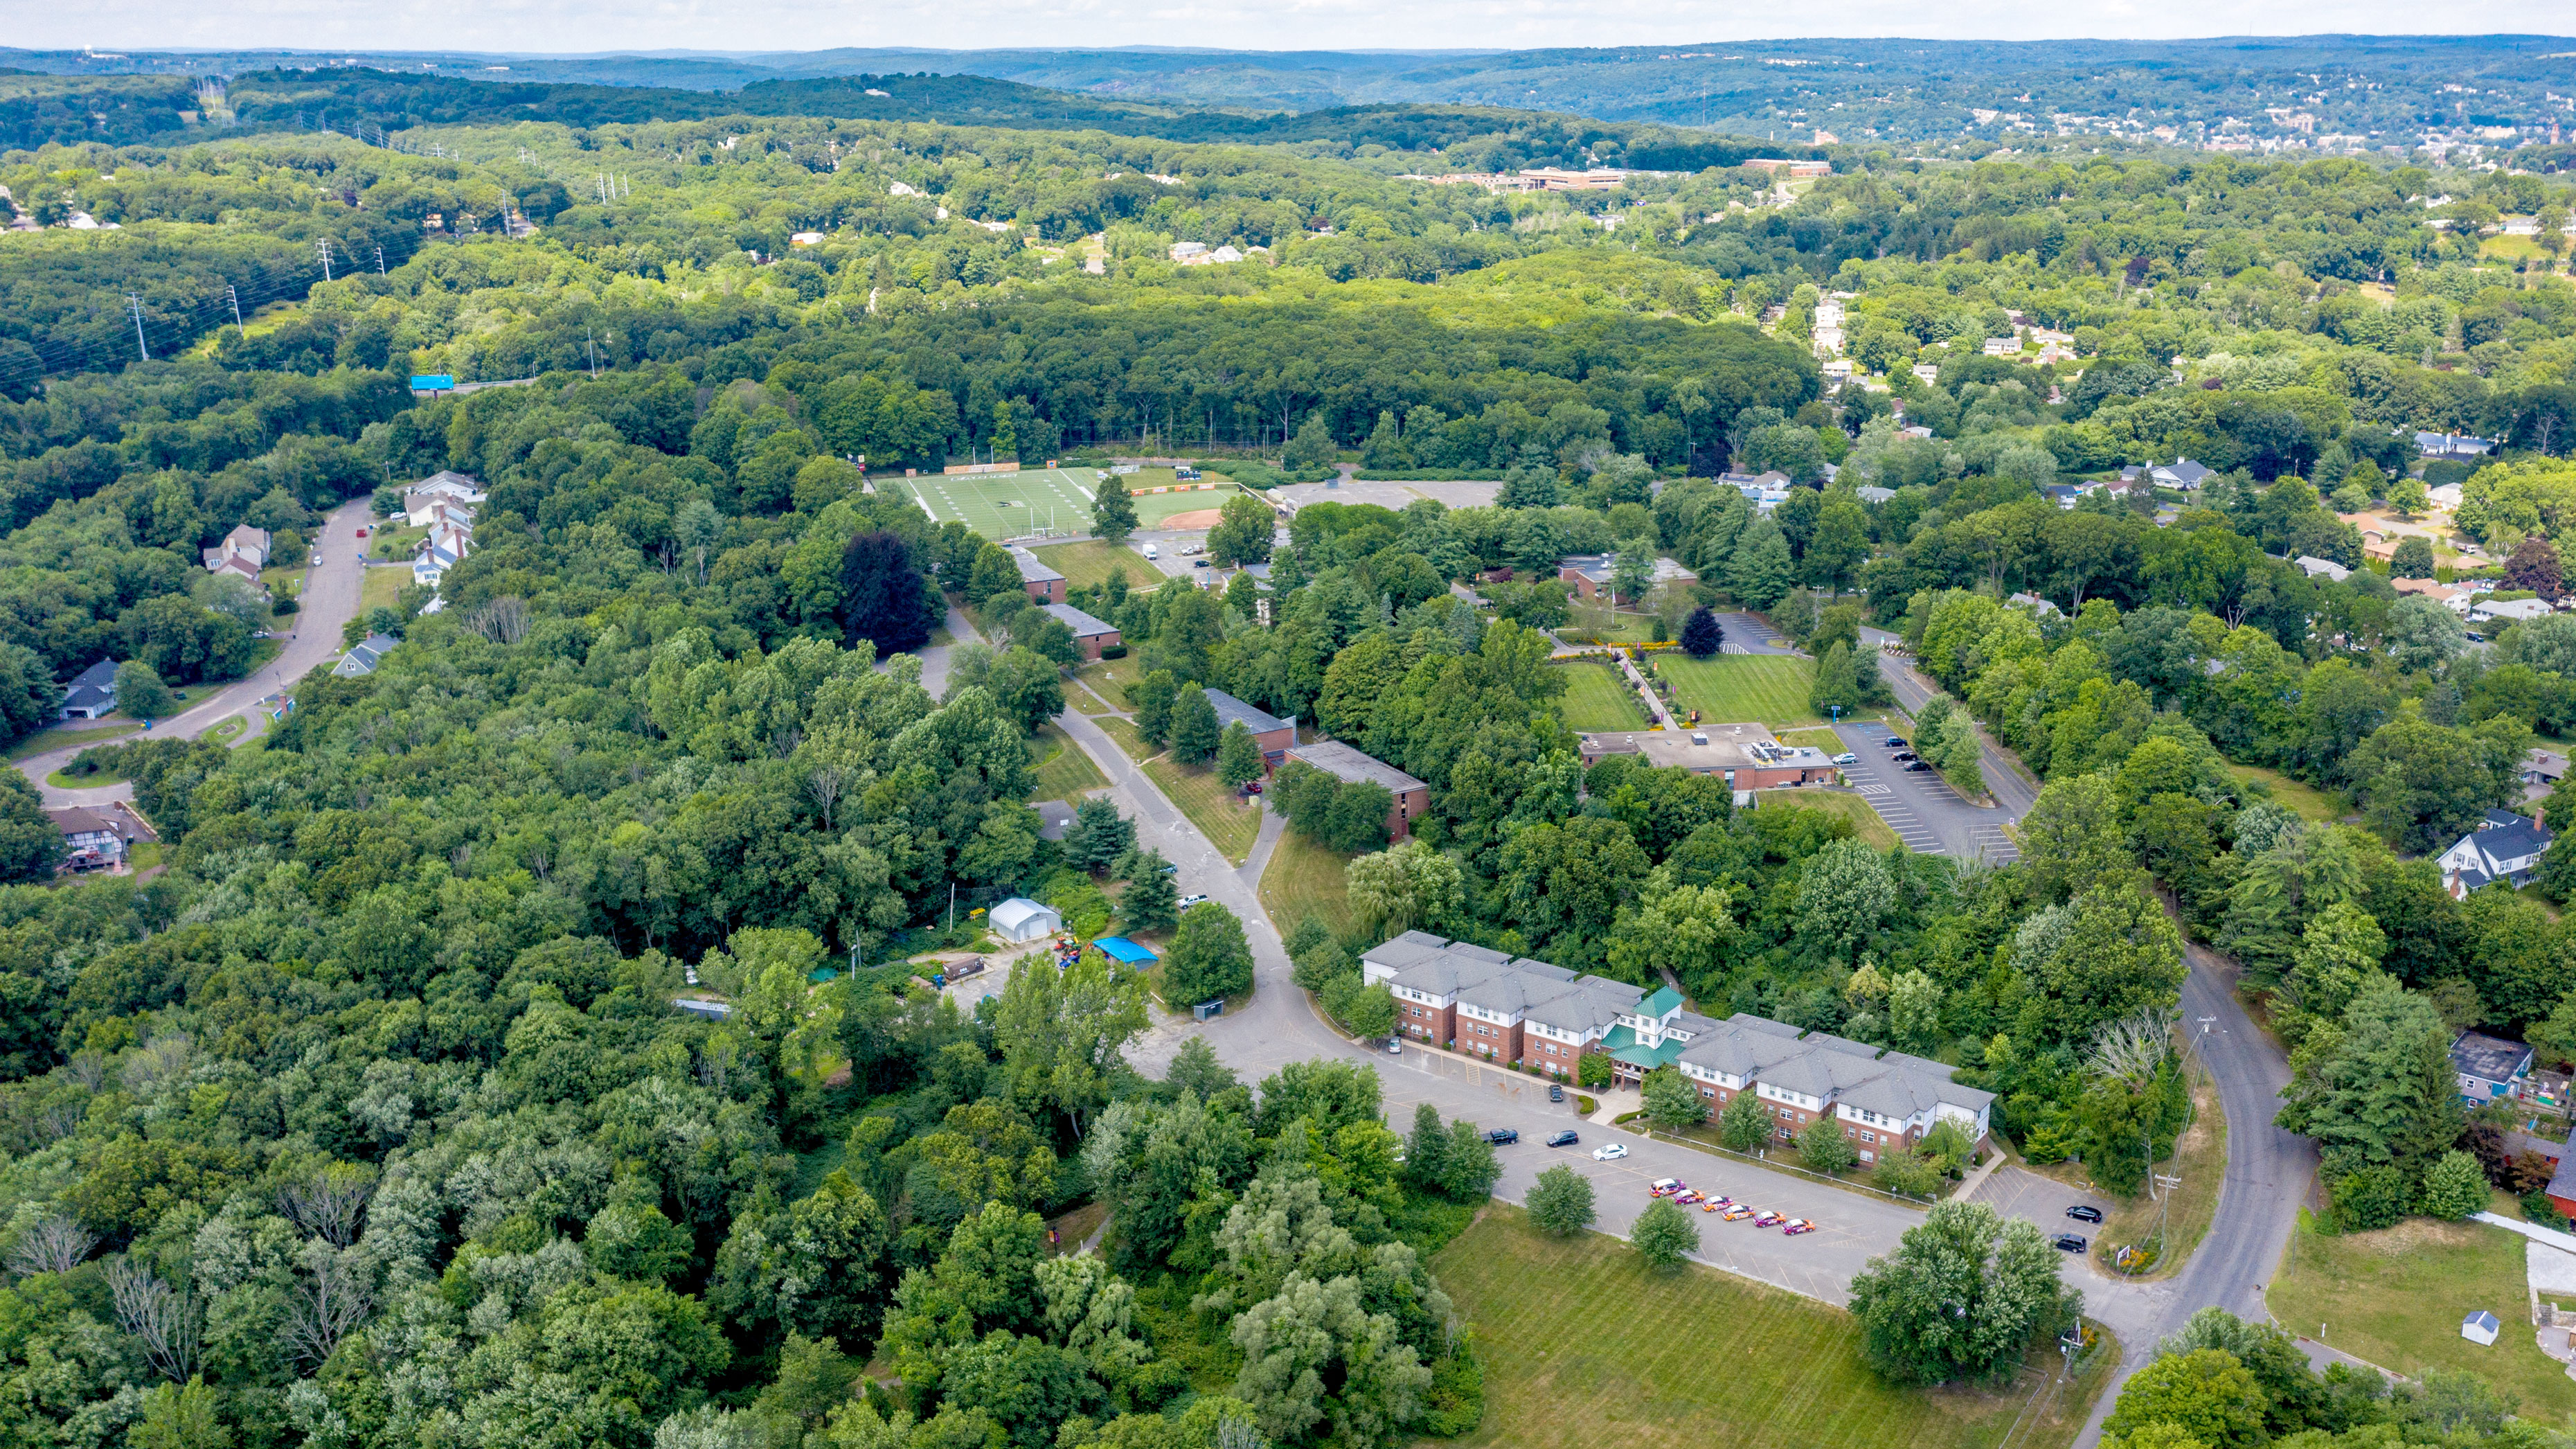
367,1120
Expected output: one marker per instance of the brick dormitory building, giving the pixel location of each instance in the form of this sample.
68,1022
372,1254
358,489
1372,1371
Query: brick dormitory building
1547,1019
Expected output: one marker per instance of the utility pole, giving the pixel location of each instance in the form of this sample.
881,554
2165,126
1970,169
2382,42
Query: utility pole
323,245
140,346
380,259
592,347
235,293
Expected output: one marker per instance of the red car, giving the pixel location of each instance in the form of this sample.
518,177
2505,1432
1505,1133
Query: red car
362,533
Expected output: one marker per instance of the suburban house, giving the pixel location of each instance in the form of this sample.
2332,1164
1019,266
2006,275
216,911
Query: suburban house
1746,754
92,836
2312,566
1044,584
1412,796
1274,735
2486,610
2038,606
363,656
243,553
2489,1067
2181,473
1546,1019
1089,634
92,692
2449,596
2505,847
2445,496
453,487
1872,494
1591,573
425,511
2453,445
433,562
2541,772
1765,491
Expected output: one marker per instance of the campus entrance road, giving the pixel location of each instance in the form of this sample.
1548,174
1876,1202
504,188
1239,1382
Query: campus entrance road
330,600
1929,816
2013,788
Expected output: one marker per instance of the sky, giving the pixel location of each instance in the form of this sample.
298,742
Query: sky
573,26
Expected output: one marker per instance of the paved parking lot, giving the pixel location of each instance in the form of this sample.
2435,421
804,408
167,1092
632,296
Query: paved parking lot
1929,816
1748,635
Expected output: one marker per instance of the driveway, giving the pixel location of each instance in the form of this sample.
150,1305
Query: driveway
330,599
1929,816
1746,634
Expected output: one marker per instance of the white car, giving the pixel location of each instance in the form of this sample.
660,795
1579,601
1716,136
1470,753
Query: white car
1610,1152
1189,901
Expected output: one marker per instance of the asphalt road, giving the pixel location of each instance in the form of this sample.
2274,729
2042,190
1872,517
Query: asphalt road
2013,789
330,600
1746,634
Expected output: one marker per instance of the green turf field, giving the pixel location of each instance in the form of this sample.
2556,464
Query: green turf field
1007,505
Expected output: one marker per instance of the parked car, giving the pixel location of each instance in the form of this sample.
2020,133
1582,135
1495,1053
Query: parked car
1768,1219
1200,563
1686,1197
1555,1093
1189,901
1610,1152
317,560
1846,758
1794,1226
2069,1243
1901,756
1565,1138
1893,743
1150,552
362,533
1252,787
1736,1213
1916,767
1394,1047
2084,1213
1501,1135
1665,1186
1717,1204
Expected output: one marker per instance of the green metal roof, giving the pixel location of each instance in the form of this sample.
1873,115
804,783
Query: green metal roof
1663,1003
1622,1045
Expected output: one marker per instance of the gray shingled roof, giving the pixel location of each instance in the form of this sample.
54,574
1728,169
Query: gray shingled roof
1031,570
1083,625
1229,709
1344,763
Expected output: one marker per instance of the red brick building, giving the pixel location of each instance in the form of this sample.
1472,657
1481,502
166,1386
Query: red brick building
1044,584
1274,735
1412,796
1089,634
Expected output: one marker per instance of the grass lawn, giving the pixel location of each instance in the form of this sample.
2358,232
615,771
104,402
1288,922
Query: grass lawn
383,585
1229,823
1304,879
1583,1346
1767,689
1064,772
227,731
1597,697
1874,832
1085,701
282,583
2396,1298
1153,508
2310,802
1110,677
1089,562
1825,740
395,541
1124,732
43,741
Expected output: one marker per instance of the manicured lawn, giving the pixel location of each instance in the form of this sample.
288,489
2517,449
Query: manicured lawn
283,583
1124,732
1064,772
1768,689
1089,562
1825,740
1110,677
383,585
1304,879
1222,816
1597,697
1873,831
2396,1298
2310,802
397,541
1584,1346
43,741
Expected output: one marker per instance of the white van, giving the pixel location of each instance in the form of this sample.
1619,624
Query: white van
1150,553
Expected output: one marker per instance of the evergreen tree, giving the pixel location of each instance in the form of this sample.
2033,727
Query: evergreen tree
884,598
1100,835
1702,635
1151,698
1426,1152
1313,447
1837,681
1113,513
1761,573
1238,757
1530,482
2413,559
140,694
1385,448
1152,898
1194,732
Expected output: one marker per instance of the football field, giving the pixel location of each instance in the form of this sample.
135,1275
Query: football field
1040,503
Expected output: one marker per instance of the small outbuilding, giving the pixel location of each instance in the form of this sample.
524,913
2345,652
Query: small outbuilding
1020,920
2479,1327
1124,951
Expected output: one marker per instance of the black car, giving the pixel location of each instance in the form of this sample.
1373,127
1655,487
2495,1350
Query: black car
1901,756
1893,743
2069,1243
1916,766
2082,1213
1565,1138
1555,1093
1501,1135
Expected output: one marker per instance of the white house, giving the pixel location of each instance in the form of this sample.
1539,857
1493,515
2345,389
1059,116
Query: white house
2312,566
2505,847
1020,920
92,692
363,655
2485,610
2181,473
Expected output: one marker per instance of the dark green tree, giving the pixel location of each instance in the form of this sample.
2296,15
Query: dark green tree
883,597
1209,958
1194,729
1702,635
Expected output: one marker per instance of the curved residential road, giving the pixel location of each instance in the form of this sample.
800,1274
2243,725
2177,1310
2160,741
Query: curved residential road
330,600
2011,785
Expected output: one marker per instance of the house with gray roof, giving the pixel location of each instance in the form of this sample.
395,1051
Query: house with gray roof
92,692
1546,1019
1274,735
1412,797
1044,584
2505,847
364,655
1091,634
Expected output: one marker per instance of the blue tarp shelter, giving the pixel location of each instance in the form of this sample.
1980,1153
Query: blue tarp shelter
1119,948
